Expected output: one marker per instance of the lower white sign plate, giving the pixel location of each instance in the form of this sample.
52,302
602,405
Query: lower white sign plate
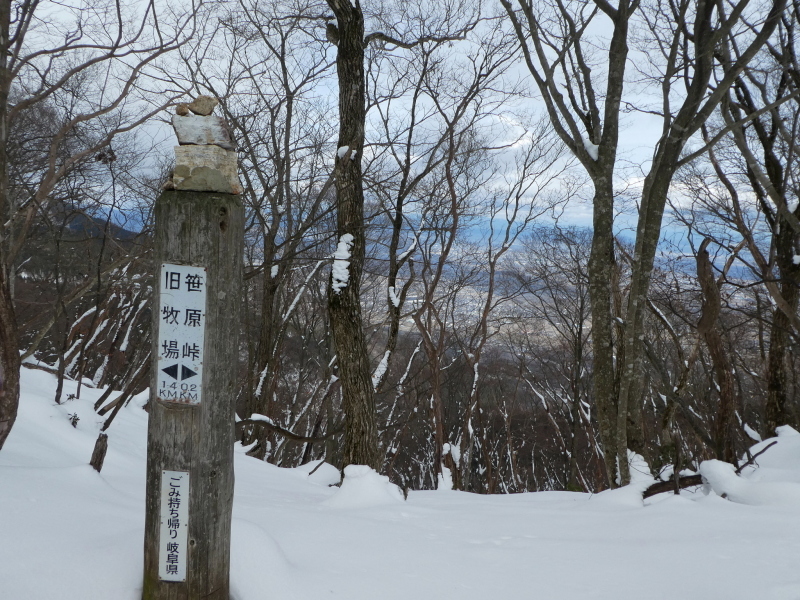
173,534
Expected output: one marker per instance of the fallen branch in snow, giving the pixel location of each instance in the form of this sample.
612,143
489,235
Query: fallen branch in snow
52,370
669,485
41,367
693,480
753,458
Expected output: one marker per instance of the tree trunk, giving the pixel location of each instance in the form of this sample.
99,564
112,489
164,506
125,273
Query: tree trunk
344,301
601,276
602,262
775,408
9,361
9,340
708,328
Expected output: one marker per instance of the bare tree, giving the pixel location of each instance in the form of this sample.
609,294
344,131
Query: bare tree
762,110
52,58
267,64
348,35
744,195
554,321
344,295
683,41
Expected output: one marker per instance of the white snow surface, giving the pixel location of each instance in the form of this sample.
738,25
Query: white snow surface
320,472
69,533
362,487
341,263
445,480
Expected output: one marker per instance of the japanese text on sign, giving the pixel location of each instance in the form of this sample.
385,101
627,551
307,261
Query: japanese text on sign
174,528
181,333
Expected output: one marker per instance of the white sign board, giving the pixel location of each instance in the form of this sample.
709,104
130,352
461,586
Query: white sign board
181,333
174,528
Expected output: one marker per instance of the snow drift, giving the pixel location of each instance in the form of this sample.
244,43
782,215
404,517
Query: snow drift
69,533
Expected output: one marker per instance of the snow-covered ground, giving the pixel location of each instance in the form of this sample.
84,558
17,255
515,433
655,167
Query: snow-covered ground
67,532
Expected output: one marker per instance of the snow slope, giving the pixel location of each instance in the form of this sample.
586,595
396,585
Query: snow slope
68,533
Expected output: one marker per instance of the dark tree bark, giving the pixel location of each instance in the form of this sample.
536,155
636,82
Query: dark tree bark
708,328
344,302
9,362
776,407
9,340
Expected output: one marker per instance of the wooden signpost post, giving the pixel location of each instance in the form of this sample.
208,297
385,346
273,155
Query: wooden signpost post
198,260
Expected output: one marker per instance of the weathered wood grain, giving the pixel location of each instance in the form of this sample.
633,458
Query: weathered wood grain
201,229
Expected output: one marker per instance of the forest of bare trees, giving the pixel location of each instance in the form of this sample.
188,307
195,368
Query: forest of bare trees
484,336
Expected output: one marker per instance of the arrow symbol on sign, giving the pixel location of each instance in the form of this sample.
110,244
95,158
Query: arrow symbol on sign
172,371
